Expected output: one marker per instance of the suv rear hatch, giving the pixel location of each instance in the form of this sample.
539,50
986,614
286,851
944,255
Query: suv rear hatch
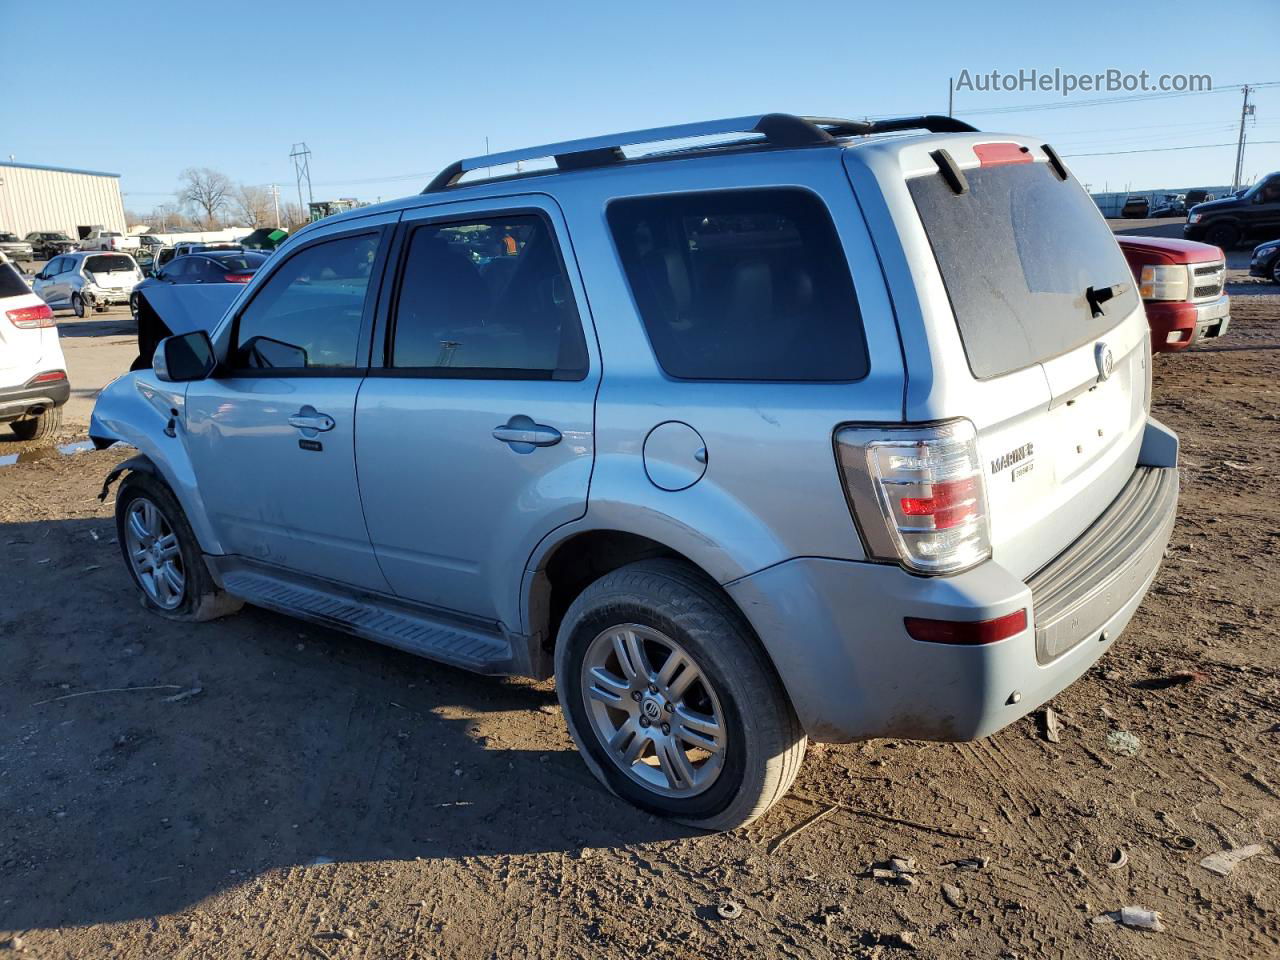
1052,331
112,271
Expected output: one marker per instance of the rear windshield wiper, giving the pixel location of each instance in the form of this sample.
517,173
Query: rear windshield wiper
1097,296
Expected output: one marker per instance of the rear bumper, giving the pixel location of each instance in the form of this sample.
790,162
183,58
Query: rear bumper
1178,325
105,296
835,628
19,402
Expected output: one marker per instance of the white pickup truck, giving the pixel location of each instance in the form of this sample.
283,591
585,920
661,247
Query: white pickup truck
108,240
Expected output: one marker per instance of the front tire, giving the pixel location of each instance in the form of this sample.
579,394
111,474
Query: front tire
1275,270
77,305
163,556
671,700
1222,235
38,428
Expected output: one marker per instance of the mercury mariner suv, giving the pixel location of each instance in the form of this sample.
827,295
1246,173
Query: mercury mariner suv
791,428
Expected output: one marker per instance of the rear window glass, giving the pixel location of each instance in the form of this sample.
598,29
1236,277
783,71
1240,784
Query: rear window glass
239,261
1017,253
108,264
741,285
11,282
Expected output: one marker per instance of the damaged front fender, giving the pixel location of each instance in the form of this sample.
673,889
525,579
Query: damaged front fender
146,413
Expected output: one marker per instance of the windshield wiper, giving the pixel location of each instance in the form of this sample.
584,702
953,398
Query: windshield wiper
1097,296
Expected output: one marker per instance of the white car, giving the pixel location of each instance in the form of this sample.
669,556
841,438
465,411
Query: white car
109,240
87,280
33,374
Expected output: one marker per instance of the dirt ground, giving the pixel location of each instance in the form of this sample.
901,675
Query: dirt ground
258,787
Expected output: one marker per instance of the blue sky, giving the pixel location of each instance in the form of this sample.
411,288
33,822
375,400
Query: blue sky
386,93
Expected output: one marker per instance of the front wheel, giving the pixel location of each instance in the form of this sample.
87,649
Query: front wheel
1222,235
670,699
162,554
1275,270
133,305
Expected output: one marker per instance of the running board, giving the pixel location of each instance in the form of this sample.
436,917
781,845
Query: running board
466,644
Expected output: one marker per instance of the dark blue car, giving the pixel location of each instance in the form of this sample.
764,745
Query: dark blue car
214,266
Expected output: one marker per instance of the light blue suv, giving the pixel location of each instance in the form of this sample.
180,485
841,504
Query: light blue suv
799,427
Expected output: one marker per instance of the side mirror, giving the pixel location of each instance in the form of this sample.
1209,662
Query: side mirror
184,358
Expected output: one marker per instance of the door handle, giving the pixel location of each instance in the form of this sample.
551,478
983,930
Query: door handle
308,418
524,435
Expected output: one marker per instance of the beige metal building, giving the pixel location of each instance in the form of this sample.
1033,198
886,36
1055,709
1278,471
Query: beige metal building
34,197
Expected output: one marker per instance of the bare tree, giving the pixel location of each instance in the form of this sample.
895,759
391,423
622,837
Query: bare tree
291,216
252,205
205,191
168,218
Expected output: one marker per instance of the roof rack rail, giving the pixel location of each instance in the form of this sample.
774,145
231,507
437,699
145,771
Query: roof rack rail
778,129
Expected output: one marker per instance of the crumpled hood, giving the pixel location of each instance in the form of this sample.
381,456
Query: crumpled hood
187,307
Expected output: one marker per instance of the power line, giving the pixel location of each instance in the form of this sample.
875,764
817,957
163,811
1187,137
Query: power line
1194,146
1065,104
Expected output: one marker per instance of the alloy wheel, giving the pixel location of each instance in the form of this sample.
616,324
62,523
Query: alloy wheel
654,711
154,553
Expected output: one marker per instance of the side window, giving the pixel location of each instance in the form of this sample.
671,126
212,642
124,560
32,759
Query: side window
176,270
488,298
307,315
742,285
54,267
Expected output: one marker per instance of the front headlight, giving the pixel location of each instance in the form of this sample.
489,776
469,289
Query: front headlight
1194,217
1165,282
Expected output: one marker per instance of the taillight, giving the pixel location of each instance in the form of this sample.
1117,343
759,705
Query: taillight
31,318
52,376
1165,282
238,277
918,494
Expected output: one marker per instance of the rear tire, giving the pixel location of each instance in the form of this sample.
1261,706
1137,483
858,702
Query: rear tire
1222,235
1275,270
38,428
638,724
163,556
77,305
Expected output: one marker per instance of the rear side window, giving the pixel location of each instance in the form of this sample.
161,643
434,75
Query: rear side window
742,285
108,264
11,282
1017,252
488,298
308,313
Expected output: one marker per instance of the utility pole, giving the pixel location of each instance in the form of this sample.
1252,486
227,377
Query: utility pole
275,200
1246,110
301,157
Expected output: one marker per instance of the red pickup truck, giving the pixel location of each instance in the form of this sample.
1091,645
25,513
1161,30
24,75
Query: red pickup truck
1181,283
